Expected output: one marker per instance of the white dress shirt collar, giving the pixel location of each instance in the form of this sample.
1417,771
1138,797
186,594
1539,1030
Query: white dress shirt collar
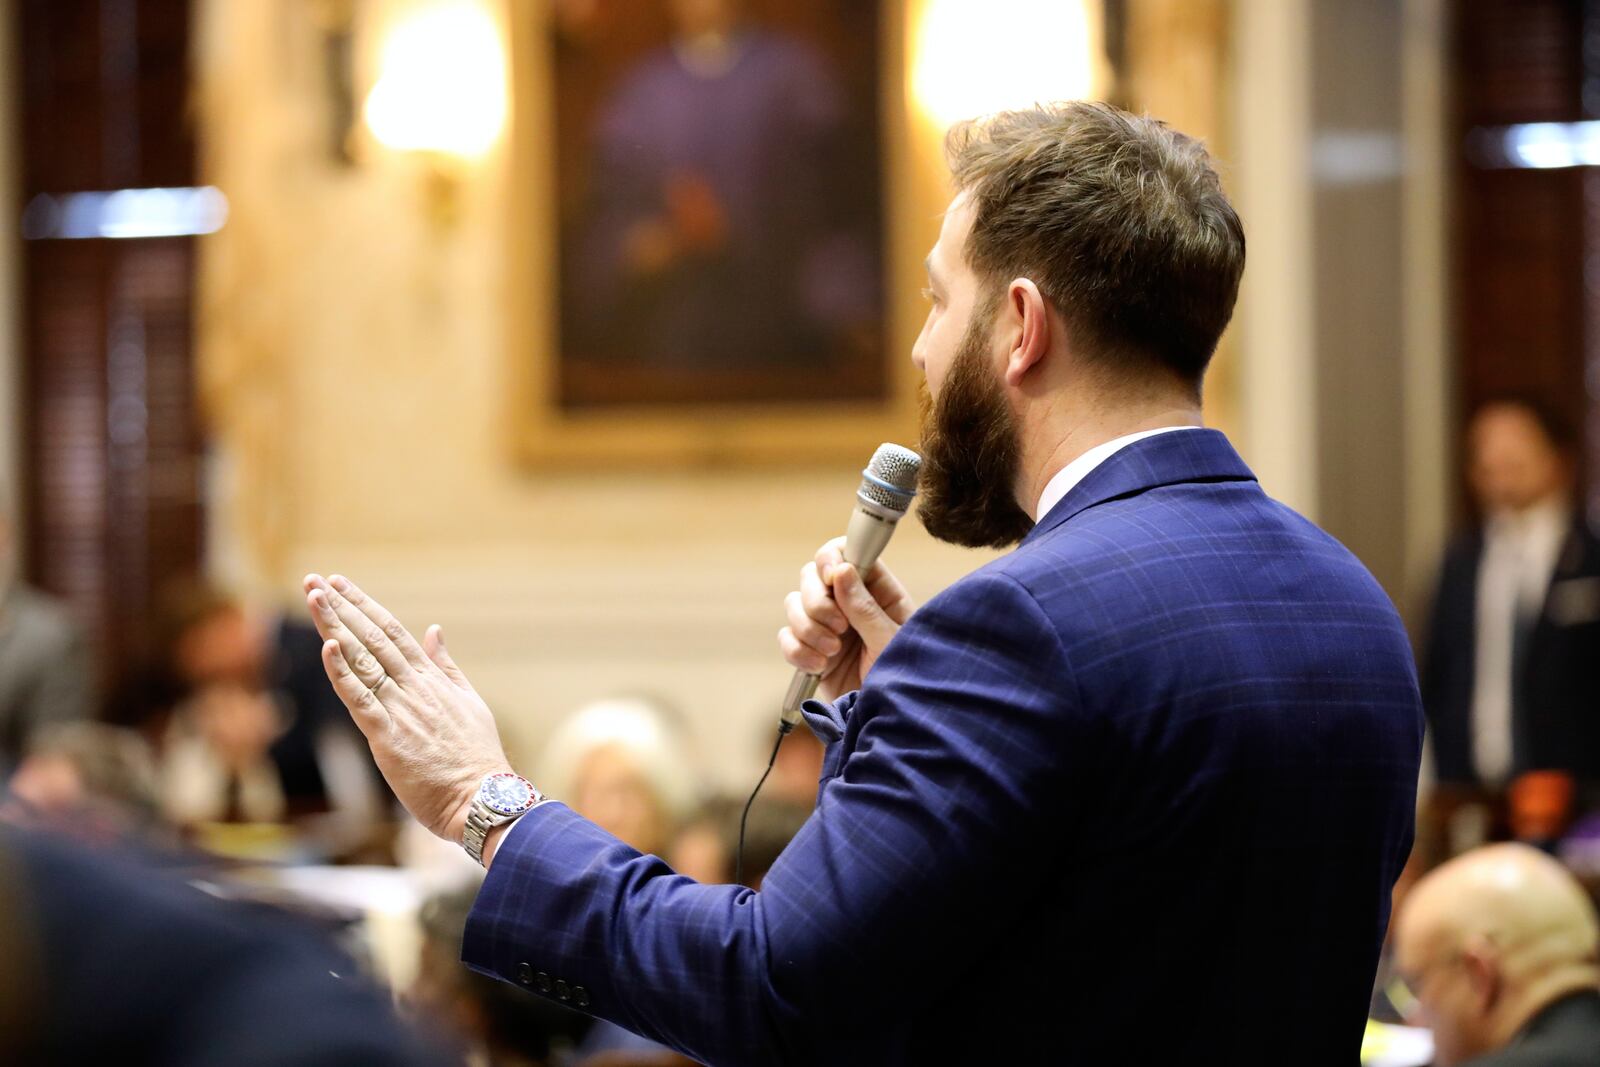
1069,476
1520,552
1547,519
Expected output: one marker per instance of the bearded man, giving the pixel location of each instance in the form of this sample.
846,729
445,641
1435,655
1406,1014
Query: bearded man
1136,792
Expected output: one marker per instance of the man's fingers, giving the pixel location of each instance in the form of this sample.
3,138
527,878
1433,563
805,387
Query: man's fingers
800,656
867,616
837,608
817,599
313,584
433,645
362,663
889,593
830,555
390,626
367,711
809,630
883,586
367,635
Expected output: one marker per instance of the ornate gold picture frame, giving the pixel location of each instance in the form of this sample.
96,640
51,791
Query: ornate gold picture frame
582,395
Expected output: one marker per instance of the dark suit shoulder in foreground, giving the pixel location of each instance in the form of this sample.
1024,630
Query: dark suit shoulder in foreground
124,964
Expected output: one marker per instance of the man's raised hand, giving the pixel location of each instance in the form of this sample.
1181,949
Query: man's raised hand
432,736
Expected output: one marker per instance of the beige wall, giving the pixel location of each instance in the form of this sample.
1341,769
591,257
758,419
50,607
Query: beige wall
1429,379
1272,40
1342,319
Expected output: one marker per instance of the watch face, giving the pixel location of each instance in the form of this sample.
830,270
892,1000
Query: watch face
508,794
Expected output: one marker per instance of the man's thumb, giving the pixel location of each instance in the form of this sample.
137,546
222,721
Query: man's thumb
433,645
865,615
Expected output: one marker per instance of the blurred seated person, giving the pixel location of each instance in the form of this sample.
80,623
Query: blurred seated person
258,735
492,1024
1509,677
89,781
105,960
1501,949
773,824
625,765
797,772
706,842
217,760
704,846
45,671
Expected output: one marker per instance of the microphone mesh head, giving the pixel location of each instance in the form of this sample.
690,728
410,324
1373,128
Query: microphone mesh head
890,480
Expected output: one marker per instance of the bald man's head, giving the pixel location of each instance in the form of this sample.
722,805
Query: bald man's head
1489,939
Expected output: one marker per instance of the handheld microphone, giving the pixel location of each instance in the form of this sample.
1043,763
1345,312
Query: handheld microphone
887,487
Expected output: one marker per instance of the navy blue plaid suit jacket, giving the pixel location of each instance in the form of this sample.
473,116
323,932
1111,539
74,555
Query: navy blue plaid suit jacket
1135,793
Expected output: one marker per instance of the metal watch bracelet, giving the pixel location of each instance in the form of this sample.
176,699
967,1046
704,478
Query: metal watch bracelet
481,818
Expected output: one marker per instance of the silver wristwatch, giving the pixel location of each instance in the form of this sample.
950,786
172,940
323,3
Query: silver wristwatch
501,798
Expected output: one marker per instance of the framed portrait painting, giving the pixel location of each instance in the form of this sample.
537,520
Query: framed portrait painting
702,252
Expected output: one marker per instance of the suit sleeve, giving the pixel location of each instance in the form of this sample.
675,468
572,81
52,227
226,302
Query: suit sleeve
960,781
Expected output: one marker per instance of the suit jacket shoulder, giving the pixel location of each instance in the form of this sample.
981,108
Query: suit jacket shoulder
1565,1034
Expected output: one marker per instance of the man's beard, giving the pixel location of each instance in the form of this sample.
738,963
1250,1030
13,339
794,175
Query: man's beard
971,451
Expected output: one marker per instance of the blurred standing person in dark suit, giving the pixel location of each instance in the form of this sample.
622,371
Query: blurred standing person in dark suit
1511,670
46,675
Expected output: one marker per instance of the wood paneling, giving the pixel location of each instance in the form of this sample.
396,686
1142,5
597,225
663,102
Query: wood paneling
1519,243
111,442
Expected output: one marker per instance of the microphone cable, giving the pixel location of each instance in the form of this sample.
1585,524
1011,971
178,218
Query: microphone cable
738,856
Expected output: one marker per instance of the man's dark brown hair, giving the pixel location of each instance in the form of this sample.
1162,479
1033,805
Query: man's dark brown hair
1119,220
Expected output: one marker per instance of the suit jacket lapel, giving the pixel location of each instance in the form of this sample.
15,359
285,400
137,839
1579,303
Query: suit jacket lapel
1165,459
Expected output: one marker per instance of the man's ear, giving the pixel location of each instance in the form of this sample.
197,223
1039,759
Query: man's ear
1482,969
1030,316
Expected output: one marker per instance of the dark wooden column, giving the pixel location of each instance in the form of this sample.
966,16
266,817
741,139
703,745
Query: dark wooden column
111,444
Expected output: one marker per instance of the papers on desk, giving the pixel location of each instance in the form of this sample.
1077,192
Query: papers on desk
1387,1045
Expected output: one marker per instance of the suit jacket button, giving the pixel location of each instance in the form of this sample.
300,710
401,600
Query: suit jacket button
524,974
542,982
562,991
580,996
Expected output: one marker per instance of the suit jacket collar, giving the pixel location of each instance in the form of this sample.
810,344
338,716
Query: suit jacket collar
1165,459
1579,555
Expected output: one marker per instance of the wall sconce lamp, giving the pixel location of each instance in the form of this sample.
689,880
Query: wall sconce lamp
441,95
968,61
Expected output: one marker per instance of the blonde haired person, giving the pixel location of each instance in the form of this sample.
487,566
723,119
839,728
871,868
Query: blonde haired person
624,763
